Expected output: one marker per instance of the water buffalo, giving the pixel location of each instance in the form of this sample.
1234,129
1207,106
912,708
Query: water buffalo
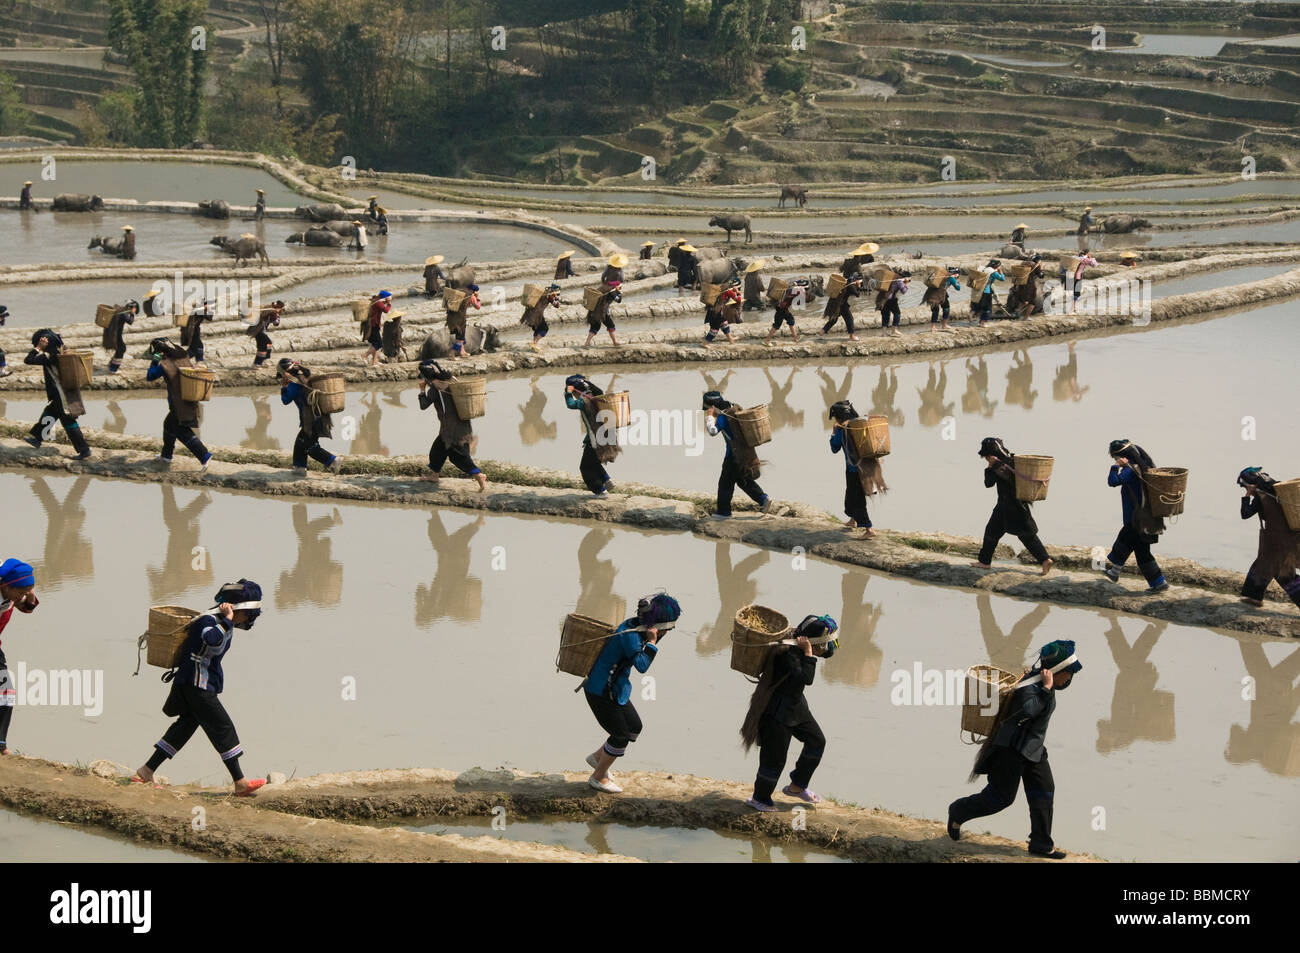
347,228
243,248
1015,252
109,246
709,253
1123,224
317,238
717,271
77,202
733,222
321,212
478,339
214,208
796,192
461,276
647,268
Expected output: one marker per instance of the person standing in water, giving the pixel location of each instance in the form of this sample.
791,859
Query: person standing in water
259,210
1141,529
194,700
65,404
128,243
17,591
312,424
455,434
608,687
687,266
25,197
580,395
734,472
1016,751
1279,544
114,337
433,276
1010,515
778,711
183,416
861,475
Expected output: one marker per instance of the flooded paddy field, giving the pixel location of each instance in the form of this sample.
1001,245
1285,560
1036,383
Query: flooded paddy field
1155,728
153,180
36,840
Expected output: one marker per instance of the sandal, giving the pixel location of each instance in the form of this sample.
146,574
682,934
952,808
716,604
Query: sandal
808,797
253,785
760,806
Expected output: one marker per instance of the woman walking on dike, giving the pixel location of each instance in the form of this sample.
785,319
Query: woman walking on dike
936,297
312,424
458,319
114,337
183,416
611,280
17,591
535,317
798,289
1010,515
778,712
65,404
380,305
192,333
861,476
983,299
1016,751
888,304
599,445
194,700
260,328
735,473
1141,529
1279,544
455,435
608,687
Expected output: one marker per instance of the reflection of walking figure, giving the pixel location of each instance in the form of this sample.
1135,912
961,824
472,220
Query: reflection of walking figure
65,404
596,578
778,712
1010,515
859,656
599,443
933,410
115,422
1066,385
833,393
976,397
316,577
1272,738
884,394
17,591
533,427
736,588
455,435
737,470
68,554
1008,650
177,572
367,440
1279,545
312,424
779,410
1020,381
1016,751
1138,710
258,436
1141,529
453,593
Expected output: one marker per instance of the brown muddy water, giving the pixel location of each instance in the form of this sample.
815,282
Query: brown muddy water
149,180
444,628
35,840
680,845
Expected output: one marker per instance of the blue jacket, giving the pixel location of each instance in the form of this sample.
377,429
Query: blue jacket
205,646
608,677
1130,485
838,444
724,429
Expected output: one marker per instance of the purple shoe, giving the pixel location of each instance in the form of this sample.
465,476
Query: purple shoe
760,806
808,797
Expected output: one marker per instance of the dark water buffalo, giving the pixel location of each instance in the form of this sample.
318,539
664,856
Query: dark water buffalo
646,268
1015,252
77,202
1123,224
461,276
109,246
317,238
709,253
321,212
717,271
346,228
243,248
733,222
478,340
796,192
214,208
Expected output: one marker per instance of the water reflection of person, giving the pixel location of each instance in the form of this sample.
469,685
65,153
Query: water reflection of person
393,398
1138,712
454,593
258,436
115,422
1272,739
933,410
779,410
68,554
598,837
367,440
1066,385
1008,651
1020,381
719,385
178,571
735,590
976,398
884,394
858,658
316,577
596,597
833,393
532,426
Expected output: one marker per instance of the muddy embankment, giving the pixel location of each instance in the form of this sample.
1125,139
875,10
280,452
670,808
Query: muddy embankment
1201,596
324,818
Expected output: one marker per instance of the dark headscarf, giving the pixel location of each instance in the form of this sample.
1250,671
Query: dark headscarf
842,410
1129,449
432,371
1256,477
994,447
714,398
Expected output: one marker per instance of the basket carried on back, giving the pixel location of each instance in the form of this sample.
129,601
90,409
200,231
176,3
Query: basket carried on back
168,629
869,435
754,632
591,298
327,393
884,275
180,320
1029,470
754,423
469,396
835,285
453,298
935,277
976,279
104,314
1166,490
1017,273
1288,494
986,687
776,289
710,293
361,310
76,368
532,294
196,383
618,405
581,639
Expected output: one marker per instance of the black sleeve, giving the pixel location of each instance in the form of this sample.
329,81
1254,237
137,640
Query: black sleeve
990,477
1249,507
426,399
36,358
808,668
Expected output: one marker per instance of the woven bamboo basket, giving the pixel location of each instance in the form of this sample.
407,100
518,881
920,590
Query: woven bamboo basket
618,405
1017,273
869,435
709,293
360,310
1030,468
1069,264
168,628
196,383
835,285
755,424
453,298
935,277
883,274
532,294
976,280
754,632
983,684
76,368
180,320
776,289
104,315
1288,494
591,298
328,392
469,396
1166,490
581,639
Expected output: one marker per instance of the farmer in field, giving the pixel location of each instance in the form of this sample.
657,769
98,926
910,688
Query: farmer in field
433,276
17,591
754,287
25,197
259,210
128,243
194,700
646,248
564,265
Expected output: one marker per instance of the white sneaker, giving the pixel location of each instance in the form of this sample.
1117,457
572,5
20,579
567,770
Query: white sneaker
591,761
336,465
203,467
5,371
609,787
301,471
164,462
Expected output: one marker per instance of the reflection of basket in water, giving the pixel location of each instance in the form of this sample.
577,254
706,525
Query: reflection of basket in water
986,687
168,629
1288,494
469,396
753,633
196,383
581,639
1166,490
1029,470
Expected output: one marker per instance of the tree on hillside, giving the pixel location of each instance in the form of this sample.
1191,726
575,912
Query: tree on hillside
158,39
275,16
13,117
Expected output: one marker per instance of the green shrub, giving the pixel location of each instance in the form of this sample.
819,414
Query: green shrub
786,76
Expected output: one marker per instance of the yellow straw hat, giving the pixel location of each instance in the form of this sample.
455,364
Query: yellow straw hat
754,266
371,198
382,210
434,260
566,254
28,182
647,244
1130,254
1022,225
680,241
1087,208
395,314
261,191
127,228
618,261
866,248
248,235
152,294
688,248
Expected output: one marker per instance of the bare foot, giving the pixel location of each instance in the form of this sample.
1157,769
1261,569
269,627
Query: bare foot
482,481
430,476
1047,566
980,565
853,337
247,787
1257,603
868,533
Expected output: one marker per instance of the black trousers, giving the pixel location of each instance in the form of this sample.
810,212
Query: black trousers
846,313
440,453
54,412
934,313
174,430
8,698
621,721
307,445
1256,584
594,474
197,709
984,310
773,748
994,530
1006,769
595,320
855,499
541,329
119,351
731,478
263,349
890,308
1129,543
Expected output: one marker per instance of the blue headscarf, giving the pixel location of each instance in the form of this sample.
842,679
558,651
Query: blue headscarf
1054,653
15,572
